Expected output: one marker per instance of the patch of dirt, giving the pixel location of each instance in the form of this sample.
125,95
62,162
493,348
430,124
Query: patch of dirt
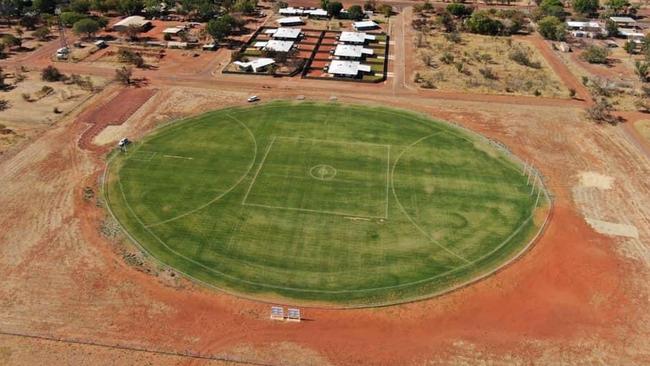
114,112
595,180
612,228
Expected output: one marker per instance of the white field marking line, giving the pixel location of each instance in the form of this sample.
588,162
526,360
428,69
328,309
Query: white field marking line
178,157
357,218
147,159
387,147
314,211
339,142
259,168
399,204
218,197
325,291
284,287
387,180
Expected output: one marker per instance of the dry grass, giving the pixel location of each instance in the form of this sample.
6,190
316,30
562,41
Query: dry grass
482,64
644,128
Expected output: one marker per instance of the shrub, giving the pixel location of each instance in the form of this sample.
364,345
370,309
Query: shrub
124,75
51,74
42,33
130,57
68,18
601,112
552,28
488,73
86,26
481,23
447,58
585,6
453,37
4,105
521,57
459,10
595,55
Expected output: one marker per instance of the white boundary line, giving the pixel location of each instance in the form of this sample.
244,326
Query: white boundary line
433,294
314,211
218,197
259,168
331,141
387,180
399,204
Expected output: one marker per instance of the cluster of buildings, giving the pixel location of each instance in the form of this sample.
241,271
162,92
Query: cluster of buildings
349,54
627,27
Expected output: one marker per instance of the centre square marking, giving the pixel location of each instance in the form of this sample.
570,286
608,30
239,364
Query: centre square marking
344,178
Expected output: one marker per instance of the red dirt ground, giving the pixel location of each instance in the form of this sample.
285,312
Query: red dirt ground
115,112
577,297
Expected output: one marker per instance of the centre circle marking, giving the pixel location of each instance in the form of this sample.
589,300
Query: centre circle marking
322,172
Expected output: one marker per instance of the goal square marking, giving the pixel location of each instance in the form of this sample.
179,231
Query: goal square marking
322,176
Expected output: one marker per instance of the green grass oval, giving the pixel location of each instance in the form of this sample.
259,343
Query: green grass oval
412,207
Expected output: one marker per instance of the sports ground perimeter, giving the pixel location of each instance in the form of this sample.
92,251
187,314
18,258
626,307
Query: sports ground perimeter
324,203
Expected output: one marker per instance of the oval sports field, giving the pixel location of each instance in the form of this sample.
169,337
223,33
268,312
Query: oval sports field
324,203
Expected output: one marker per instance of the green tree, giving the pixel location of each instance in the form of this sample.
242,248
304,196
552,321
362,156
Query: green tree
219,29
245,6
611,28
481,23
447,22
68,18
42,34
324,4
552,28
29,21
355,12
618,6
334,8
80,6
629,47
86,26
585,6
44,6
130,7
459,10
553,8
11,41
595,55
642,70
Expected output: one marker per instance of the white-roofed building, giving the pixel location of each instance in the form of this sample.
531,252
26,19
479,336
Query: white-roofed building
256,65
287,33
365,25
349,51
278,46
132,21
623,21
290,21
317,13
174,30
632,34
586,29
291,11
347,68
355,37
260,44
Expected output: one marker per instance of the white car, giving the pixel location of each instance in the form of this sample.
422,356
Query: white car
252,99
